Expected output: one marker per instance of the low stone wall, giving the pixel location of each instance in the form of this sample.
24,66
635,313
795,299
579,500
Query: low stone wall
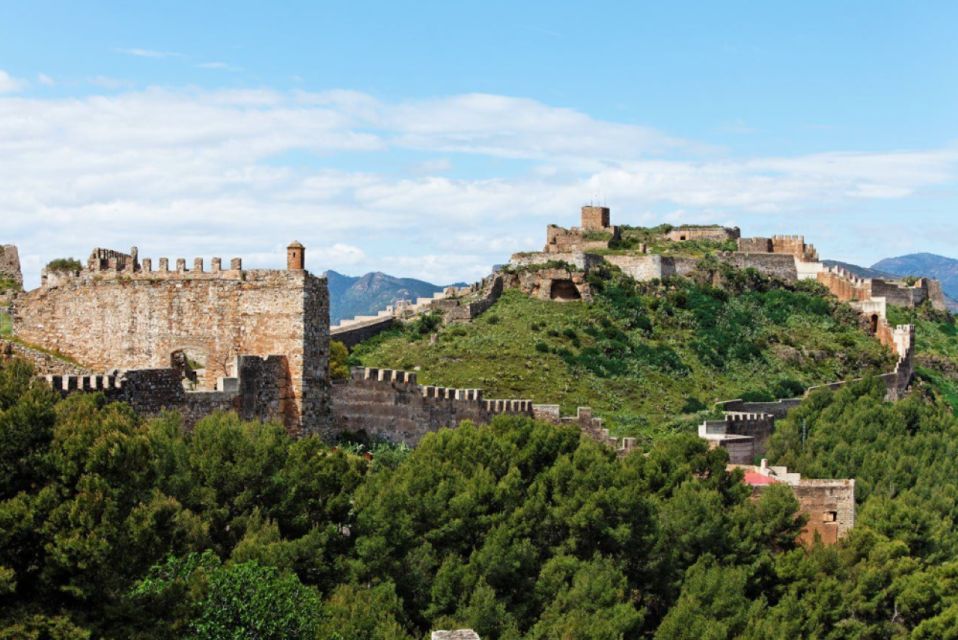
587,424
261,391
358,332
779,408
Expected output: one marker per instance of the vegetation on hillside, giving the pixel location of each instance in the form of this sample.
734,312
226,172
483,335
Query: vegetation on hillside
648,357
65,265
8,284
6,324
111,526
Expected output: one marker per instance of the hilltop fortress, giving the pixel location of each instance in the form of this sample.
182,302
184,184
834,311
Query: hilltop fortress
184,338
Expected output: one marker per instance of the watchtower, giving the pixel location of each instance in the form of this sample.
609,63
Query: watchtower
595,218
295,256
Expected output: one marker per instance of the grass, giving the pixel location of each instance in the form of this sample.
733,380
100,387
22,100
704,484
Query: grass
6,324
647,358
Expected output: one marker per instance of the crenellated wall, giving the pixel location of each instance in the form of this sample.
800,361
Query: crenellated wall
120,313
391,405
260,390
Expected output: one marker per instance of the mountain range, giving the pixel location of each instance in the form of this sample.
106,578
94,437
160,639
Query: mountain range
351,296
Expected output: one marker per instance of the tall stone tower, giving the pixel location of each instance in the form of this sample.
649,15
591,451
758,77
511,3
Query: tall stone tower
595,218
295,256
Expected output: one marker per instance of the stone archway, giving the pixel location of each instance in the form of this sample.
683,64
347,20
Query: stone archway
564,290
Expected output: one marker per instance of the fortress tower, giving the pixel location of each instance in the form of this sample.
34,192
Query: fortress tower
120,313
295,256
595,218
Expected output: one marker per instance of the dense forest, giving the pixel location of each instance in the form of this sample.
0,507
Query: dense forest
116,527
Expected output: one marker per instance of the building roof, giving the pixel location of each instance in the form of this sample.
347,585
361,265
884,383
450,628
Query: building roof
755,478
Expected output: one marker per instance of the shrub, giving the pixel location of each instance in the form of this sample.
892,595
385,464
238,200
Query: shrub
64,265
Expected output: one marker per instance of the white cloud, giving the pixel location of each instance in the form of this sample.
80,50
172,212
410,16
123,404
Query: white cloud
218,66
9,84
45,80
222,172
150,53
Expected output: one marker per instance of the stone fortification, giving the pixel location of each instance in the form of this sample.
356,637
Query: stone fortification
43,363
713,232
560,284
261,390
787,245
829,505
596,232
120,313
744,435
10,264
455,304
390,405
848,287
587,424
643,268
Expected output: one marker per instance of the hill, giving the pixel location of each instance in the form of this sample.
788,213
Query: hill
924,264
861,272
351,296
647,357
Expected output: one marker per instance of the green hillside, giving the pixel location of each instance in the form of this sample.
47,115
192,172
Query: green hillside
648,357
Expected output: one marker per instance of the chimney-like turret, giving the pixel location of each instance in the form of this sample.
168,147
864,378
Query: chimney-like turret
295,256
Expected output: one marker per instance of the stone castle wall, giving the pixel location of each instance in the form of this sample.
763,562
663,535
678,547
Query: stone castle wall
10,264
127,316
712,232
829,506
260,391
390,405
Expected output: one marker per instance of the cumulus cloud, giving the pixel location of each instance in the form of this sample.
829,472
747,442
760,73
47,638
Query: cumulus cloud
233,172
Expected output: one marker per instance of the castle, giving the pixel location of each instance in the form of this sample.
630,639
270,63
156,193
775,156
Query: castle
204,327
195,340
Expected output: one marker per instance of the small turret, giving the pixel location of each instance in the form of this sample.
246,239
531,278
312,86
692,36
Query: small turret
295,256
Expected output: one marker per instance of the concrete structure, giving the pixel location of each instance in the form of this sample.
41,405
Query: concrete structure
829,505
120,313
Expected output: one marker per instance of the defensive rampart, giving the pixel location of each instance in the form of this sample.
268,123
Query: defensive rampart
261,390
389,404
119,313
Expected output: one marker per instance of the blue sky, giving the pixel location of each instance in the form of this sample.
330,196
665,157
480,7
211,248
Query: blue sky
433,139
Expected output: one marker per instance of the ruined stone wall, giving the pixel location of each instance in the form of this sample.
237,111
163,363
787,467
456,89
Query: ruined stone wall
390,405
595,218
550,284
261,391
361,331
134,319
43,363
10,264
844,285
779,408
795,246
586,423
830,507
773,264
713,232
560,240
755,245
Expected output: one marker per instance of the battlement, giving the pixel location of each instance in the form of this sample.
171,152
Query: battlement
391,376
89,383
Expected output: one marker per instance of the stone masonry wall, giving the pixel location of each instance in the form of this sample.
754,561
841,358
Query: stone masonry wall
10,263
830,507
135,319
390,405
260,392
